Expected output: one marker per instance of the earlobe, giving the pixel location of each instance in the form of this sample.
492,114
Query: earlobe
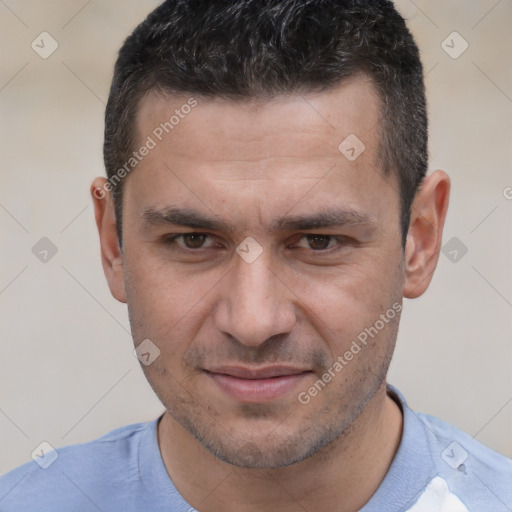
111,255
424,238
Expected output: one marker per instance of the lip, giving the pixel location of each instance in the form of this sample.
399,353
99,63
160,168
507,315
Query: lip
256,385
257,373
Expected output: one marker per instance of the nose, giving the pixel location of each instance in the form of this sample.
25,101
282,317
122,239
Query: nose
255,303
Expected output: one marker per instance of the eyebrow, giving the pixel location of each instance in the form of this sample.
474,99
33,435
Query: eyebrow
325,218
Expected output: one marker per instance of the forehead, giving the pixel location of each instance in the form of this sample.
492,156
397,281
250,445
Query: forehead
302,124
220,151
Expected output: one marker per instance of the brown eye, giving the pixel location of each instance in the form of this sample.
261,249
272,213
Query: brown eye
188,241
319,242
193,240
323,245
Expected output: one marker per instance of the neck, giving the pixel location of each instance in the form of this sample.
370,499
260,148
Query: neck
342,476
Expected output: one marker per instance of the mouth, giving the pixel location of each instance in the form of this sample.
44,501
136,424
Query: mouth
256,385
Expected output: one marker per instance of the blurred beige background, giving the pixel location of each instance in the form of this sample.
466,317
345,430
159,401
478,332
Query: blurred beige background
67,370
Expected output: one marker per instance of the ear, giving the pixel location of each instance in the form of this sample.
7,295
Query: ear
425,233
111,255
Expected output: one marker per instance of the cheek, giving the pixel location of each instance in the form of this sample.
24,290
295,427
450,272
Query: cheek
164,303
171,302
341,306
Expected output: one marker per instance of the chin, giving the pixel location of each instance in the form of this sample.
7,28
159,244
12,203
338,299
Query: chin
259,455
263,448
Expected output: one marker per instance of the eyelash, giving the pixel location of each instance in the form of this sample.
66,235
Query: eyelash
171,240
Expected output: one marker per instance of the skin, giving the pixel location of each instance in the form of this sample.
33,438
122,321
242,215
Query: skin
301,303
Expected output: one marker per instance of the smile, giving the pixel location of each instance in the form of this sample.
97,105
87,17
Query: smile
256,386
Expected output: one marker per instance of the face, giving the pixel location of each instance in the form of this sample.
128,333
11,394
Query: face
260,259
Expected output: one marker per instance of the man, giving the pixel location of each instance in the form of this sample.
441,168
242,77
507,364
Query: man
266,210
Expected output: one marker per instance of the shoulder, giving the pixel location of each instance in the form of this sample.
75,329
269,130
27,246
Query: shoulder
464,449
479,476
68,476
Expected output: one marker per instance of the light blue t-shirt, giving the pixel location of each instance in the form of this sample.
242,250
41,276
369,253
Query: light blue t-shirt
437,468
